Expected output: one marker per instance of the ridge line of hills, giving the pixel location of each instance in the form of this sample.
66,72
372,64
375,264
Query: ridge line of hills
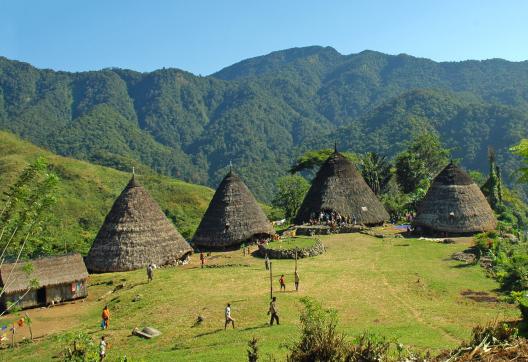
263,112
87,192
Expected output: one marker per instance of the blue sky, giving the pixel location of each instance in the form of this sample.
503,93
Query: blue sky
204,36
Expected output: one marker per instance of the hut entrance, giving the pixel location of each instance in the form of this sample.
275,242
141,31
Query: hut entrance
41,296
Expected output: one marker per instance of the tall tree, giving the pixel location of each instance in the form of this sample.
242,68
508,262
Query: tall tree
493,186
420,162
522,150
23,216
290,194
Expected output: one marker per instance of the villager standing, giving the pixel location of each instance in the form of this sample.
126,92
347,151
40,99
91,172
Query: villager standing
102,349
228,318
106,317
273,311
266,262
202,259
150,272
282,283
296,281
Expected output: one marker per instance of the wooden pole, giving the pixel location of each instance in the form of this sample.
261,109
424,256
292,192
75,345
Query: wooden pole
271,281
13,336
296,260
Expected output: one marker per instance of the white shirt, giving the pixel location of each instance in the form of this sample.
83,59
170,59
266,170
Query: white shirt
102,347
228,312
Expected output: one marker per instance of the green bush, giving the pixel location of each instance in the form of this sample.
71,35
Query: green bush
320,340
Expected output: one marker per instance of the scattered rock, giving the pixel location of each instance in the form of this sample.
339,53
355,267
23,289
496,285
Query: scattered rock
147,332
511,238
199,320
465,257
136,298
486,262
447,241
379,236
119,286
316,249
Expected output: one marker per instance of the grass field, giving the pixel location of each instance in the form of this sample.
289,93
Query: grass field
300,242
407,289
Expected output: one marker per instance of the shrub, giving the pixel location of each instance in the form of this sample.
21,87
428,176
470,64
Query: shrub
79,347
369,347
320,340
252,350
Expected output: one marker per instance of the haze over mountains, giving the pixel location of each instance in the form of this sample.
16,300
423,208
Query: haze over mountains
263,112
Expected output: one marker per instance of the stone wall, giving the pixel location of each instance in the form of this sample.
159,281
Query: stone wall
316,249
327,230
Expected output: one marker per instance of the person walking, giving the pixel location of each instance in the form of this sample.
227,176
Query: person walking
150,272
106,317
296,281
202,259
266,262
282,283
273,311
102,349
228,318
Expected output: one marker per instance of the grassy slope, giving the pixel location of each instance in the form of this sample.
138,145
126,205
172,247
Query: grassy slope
88,191
372,282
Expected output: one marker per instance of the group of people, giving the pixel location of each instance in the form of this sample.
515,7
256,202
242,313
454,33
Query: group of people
296,279
332,219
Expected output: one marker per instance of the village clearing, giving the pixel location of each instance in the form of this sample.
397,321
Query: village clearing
407,289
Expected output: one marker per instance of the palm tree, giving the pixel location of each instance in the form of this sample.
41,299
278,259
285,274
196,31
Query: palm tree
376,171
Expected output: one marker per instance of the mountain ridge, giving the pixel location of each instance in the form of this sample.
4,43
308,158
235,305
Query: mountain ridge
266,112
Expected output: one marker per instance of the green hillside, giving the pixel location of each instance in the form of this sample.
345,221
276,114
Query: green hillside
264,112
87,192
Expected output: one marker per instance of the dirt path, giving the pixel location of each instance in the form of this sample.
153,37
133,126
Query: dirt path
47,321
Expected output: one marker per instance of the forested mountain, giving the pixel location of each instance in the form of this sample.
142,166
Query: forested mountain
263,112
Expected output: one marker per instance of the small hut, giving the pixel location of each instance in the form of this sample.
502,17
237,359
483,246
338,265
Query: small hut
339,187
135,233
59,279
454,204
232,218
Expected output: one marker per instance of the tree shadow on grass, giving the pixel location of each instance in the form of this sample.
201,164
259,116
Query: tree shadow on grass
208,333
265,325
463,266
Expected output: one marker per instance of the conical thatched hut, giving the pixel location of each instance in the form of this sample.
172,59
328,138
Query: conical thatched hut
454,204
339,187
135,233
232,218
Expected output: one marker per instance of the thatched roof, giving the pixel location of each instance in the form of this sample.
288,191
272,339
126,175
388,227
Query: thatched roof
233,217
135,233
455,204
339,187
47,271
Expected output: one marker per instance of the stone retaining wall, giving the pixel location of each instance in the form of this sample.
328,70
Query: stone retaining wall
327,230
316,249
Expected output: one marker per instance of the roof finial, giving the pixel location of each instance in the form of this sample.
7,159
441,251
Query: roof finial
335,146
230,166
133,172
